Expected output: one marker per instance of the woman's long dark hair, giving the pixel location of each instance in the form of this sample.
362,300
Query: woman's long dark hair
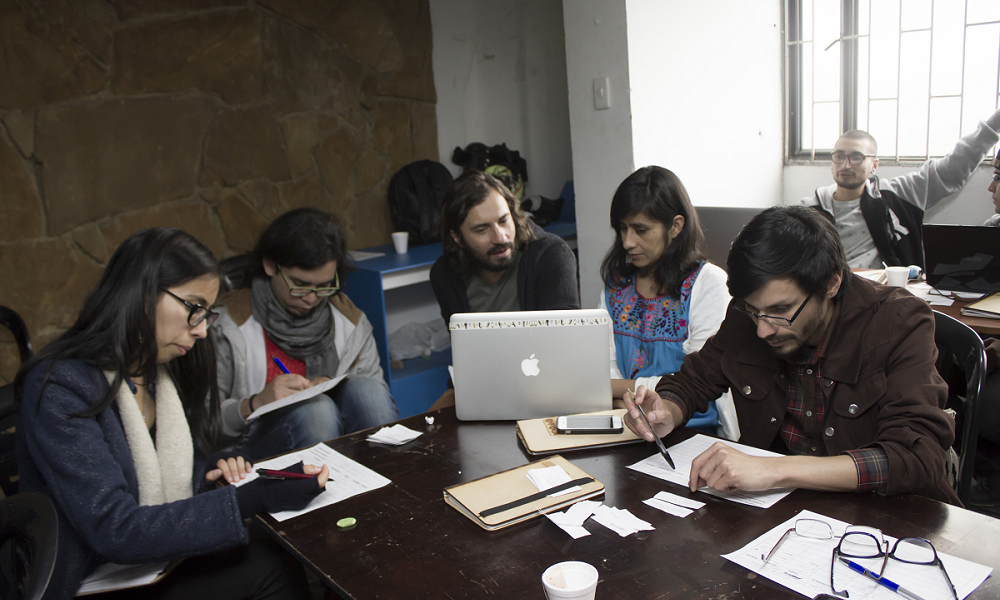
116,328
658,194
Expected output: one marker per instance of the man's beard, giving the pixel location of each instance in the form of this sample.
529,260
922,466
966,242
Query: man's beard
485,261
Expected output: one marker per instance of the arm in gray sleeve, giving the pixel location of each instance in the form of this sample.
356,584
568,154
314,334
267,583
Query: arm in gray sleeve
941,177
232,422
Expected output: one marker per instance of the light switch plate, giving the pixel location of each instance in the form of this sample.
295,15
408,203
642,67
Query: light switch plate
602,93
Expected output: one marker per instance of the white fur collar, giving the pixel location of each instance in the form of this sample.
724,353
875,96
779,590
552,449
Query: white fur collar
164,471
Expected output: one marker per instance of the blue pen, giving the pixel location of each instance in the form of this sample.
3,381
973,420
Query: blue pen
281,366
880,580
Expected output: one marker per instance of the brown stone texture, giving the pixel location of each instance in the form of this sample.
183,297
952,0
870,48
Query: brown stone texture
140,8
105,157
57,277
213,116
39,63
214,52
244,144
335,158
241,223
20,206
21,129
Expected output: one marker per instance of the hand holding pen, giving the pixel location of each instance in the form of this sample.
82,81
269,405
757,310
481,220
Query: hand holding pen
630,399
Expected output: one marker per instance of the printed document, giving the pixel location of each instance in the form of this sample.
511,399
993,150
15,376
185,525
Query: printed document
347,478
803,564
686,451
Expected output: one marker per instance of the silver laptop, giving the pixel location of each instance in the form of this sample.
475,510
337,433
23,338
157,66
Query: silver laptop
531,364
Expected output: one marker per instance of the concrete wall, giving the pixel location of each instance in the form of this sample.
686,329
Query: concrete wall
500,73
597,46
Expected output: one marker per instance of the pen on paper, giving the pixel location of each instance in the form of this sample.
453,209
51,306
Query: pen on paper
882,581
280,366
656,438
276,474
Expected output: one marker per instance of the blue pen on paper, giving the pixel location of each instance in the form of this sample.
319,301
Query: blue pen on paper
882,581
281,366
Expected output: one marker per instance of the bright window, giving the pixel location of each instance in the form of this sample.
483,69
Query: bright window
916,74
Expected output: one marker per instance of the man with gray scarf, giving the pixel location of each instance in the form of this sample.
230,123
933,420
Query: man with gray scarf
291,329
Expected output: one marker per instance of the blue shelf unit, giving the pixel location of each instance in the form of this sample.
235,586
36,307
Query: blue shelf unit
420,381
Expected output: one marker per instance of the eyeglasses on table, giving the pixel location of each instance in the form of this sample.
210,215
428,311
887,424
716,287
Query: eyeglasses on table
869,543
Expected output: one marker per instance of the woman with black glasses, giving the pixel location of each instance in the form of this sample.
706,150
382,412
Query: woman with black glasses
117,416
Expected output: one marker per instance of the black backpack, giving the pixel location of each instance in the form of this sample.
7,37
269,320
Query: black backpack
415,195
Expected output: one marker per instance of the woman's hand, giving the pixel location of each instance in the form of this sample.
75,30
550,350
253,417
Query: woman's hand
233,469
323,473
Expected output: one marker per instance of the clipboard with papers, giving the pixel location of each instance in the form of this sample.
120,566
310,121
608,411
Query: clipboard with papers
509,497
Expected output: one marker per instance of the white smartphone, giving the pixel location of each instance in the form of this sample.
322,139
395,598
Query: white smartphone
589,424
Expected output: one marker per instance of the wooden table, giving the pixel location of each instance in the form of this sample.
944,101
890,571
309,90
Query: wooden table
409,544
980,325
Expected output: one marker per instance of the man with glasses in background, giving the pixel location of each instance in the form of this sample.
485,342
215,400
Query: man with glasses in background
879,220
827,368
290,330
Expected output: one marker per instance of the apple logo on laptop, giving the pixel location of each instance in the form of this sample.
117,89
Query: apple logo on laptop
529,366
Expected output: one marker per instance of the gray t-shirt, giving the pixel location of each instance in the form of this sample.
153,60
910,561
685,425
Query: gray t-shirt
854,234
498,297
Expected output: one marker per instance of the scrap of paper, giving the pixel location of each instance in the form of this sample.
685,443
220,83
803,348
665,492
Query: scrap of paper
672,504
620,520
685,452
550,477
571,520
396,435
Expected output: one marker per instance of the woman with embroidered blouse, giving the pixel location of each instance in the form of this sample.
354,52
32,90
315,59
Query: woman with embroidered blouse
119,425
664,298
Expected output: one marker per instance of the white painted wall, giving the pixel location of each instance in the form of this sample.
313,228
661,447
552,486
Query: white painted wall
596,46
707,96
500,75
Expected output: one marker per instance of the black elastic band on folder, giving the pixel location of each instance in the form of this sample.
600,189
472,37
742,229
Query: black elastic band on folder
538,496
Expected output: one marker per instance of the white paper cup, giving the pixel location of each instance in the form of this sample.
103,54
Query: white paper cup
400,239
571,580
897,276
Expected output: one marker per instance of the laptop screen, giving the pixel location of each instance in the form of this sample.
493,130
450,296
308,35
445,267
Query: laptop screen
962,257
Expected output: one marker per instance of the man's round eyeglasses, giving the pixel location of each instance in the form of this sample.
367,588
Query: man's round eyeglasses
198,313
776,321
856,158
300,291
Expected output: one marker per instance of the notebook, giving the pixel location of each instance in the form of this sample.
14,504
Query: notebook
530,364
962,257
539,436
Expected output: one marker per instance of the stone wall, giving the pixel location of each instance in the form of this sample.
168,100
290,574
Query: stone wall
213,116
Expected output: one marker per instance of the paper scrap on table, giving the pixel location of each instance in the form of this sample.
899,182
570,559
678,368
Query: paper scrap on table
672,504
550,477
396,435
925,292
347,478
571,520
803,565
685,452
305,394
620,520
112,576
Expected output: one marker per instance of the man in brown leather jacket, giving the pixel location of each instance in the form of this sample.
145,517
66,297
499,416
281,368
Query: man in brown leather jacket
825,367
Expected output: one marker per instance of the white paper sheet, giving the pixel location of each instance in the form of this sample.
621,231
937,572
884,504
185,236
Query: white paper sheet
803,565
550,477
296,397
360,255
112,576
670,509
686,451
620,520
571,520
347,478
396,435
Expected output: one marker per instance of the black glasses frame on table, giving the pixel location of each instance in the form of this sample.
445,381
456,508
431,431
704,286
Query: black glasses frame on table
301,291
781,321
865,542
198,313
